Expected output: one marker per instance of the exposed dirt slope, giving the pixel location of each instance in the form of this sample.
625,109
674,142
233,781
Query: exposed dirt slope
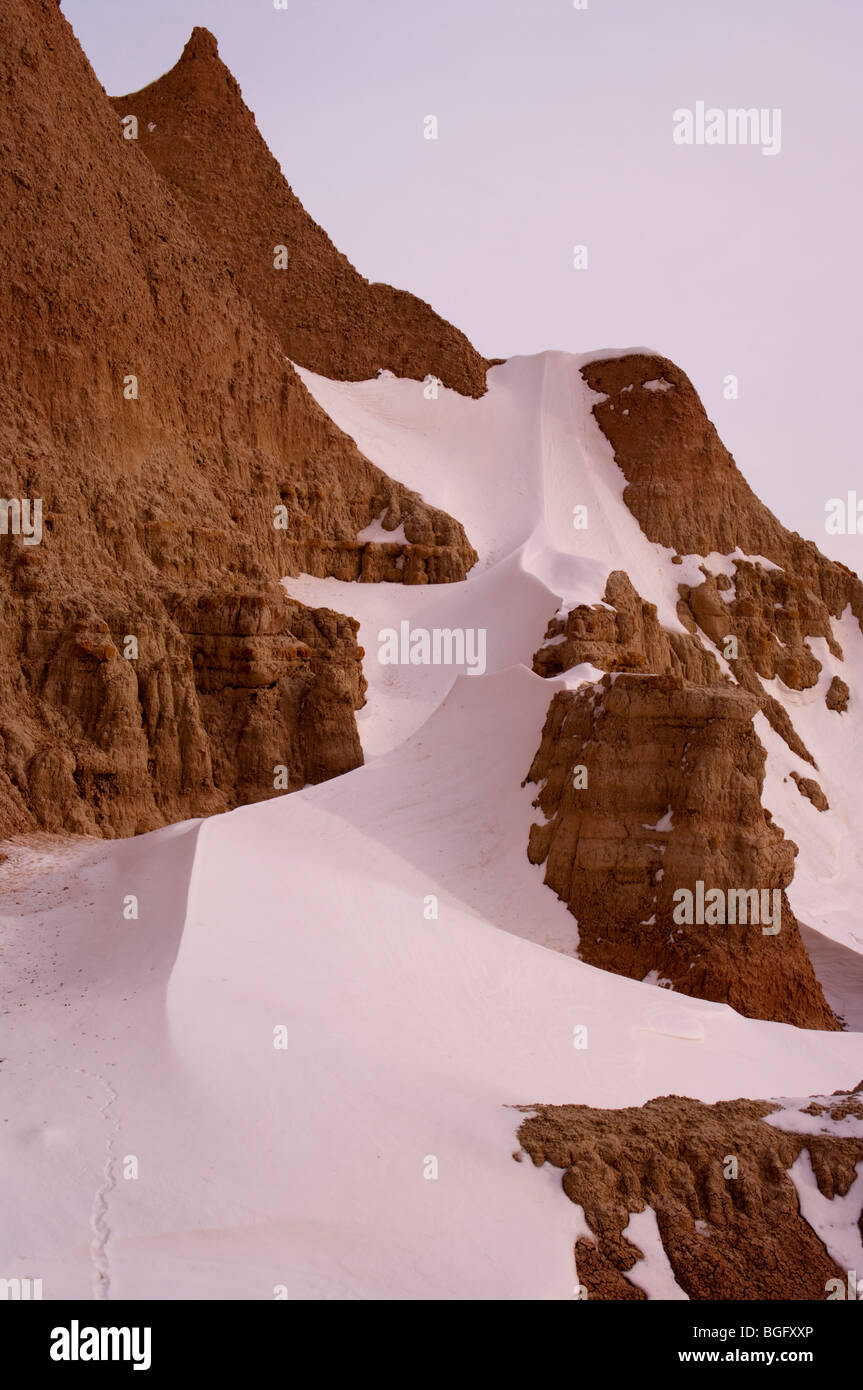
687,493
683,484
730,1230
329,317
159,494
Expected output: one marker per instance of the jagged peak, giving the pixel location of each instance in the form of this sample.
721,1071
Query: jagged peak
200,133
200,73
201,44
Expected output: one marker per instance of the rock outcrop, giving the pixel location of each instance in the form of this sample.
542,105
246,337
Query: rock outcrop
623,633
684,487
151,665
651,785
684,743
837,696
687,493
196,129
716,1177
808,787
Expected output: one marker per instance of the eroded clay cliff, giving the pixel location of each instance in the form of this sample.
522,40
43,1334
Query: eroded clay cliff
151,666
763,594
650,785
197,130
686,492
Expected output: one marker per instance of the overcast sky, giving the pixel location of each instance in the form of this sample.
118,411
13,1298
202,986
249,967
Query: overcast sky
556,129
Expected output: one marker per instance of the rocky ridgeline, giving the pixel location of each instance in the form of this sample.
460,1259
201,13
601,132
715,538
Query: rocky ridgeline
151,666
199,134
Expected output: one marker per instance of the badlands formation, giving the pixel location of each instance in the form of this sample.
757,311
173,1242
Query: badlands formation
311,933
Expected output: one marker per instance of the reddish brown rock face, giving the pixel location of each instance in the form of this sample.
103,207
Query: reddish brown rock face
769,615
686,491
809,788
668,451
731,1230
838,695
650,785
623,634
329,318
149,406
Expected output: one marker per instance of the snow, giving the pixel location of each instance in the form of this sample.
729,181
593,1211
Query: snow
790,1116
407,1037
653,977
652,1273
375,532
836,1220
690,570
390,921
512,466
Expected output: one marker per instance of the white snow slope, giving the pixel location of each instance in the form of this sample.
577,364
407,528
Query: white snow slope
292,1075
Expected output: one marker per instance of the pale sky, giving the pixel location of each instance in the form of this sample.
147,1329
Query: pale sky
556,129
